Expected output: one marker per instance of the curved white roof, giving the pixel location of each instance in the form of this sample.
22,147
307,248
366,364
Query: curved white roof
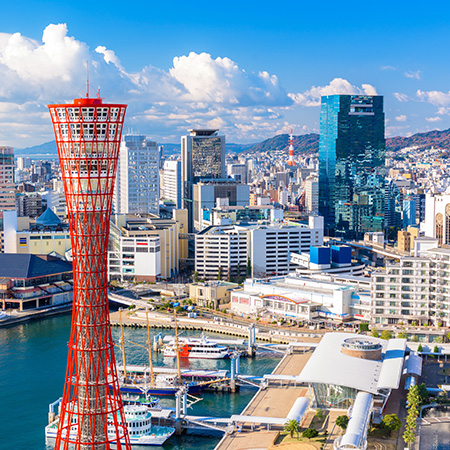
328,365
356,430
298,409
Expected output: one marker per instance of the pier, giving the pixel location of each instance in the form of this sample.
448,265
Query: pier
268,411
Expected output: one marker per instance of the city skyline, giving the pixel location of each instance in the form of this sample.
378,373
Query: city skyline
251,72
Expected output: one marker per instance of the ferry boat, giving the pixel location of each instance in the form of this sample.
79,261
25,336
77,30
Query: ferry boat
139,424
196,348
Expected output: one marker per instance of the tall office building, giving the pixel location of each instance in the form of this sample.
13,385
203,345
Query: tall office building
7,200
312,195
238,172
172,182
87,134
352,165
202,158
137,187
7,197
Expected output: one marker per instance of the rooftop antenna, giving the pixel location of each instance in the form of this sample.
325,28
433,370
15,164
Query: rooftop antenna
87,79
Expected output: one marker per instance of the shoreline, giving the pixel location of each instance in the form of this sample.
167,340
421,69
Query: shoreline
36,314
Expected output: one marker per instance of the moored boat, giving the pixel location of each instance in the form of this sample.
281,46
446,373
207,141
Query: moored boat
139,425
200,348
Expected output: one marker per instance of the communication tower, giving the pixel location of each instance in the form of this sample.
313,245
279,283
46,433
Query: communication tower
88,134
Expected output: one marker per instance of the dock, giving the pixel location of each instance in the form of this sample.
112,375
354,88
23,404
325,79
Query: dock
264,415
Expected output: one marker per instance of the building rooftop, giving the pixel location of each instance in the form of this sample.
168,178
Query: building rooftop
203,132
16,265
48,219
328,365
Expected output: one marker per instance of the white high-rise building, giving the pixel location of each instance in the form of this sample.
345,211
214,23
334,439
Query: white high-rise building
7,198
137,185
268,247
312,194
172,182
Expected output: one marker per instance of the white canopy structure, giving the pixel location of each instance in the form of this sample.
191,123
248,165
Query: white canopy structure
355,435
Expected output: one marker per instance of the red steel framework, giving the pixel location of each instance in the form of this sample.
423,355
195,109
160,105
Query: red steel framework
88,134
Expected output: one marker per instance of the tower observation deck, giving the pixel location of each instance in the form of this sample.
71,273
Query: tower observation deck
88,134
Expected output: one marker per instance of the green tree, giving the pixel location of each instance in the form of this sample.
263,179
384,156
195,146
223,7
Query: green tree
386,334
319,414
219,273
363,327
196,277
436,349
423,394
342,422
310,433
291,427
420,348
391,422
402,335
438,340
375,332
409,436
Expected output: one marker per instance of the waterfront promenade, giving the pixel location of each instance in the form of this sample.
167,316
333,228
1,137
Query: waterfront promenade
164,321
274,401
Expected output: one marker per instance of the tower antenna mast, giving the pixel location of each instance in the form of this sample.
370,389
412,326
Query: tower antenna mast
87,79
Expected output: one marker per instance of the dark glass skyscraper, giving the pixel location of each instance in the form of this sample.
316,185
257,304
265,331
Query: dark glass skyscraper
352,165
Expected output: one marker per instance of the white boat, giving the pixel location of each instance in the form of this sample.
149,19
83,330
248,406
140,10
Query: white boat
200,348
139,424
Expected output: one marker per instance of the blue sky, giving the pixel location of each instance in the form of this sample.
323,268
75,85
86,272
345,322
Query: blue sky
252,69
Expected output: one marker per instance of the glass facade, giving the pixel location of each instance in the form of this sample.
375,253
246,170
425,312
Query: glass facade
333,396
352,165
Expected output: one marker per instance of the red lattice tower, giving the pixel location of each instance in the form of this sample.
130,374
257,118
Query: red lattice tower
88,134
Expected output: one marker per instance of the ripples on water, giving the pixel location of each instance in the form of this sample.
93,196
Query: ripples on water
33,360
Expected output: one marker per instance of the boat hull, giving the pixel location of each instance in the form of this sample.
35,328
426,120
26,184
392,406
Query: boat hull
159,391
150,440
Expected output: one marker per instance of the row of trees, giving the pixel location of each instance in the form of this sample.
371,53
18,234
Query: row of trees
417,397
386,334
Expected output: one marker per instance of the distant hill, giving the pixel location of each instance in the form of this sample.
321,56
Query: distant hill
435,138
305,143
48,148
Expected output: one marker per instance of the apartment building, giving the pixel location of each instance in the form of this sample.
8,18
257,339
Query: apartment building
221,250
414,291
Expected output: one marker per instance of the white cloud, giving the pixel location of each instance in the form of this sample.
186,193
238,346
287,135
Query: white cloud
401,97
198,90
433,119
388,68
222,81
437,98
401,118
413,74
312,96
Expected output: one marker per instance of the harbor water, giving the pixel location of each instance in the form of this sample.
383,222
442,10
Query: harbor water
32,368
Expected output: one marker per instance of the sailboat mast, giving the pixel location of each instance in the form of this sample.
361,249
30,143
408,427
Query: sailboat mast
123,346
150,355
178,346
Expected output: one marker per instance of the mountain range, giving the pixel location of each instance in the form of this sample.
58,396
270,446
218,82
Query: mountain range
306,143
